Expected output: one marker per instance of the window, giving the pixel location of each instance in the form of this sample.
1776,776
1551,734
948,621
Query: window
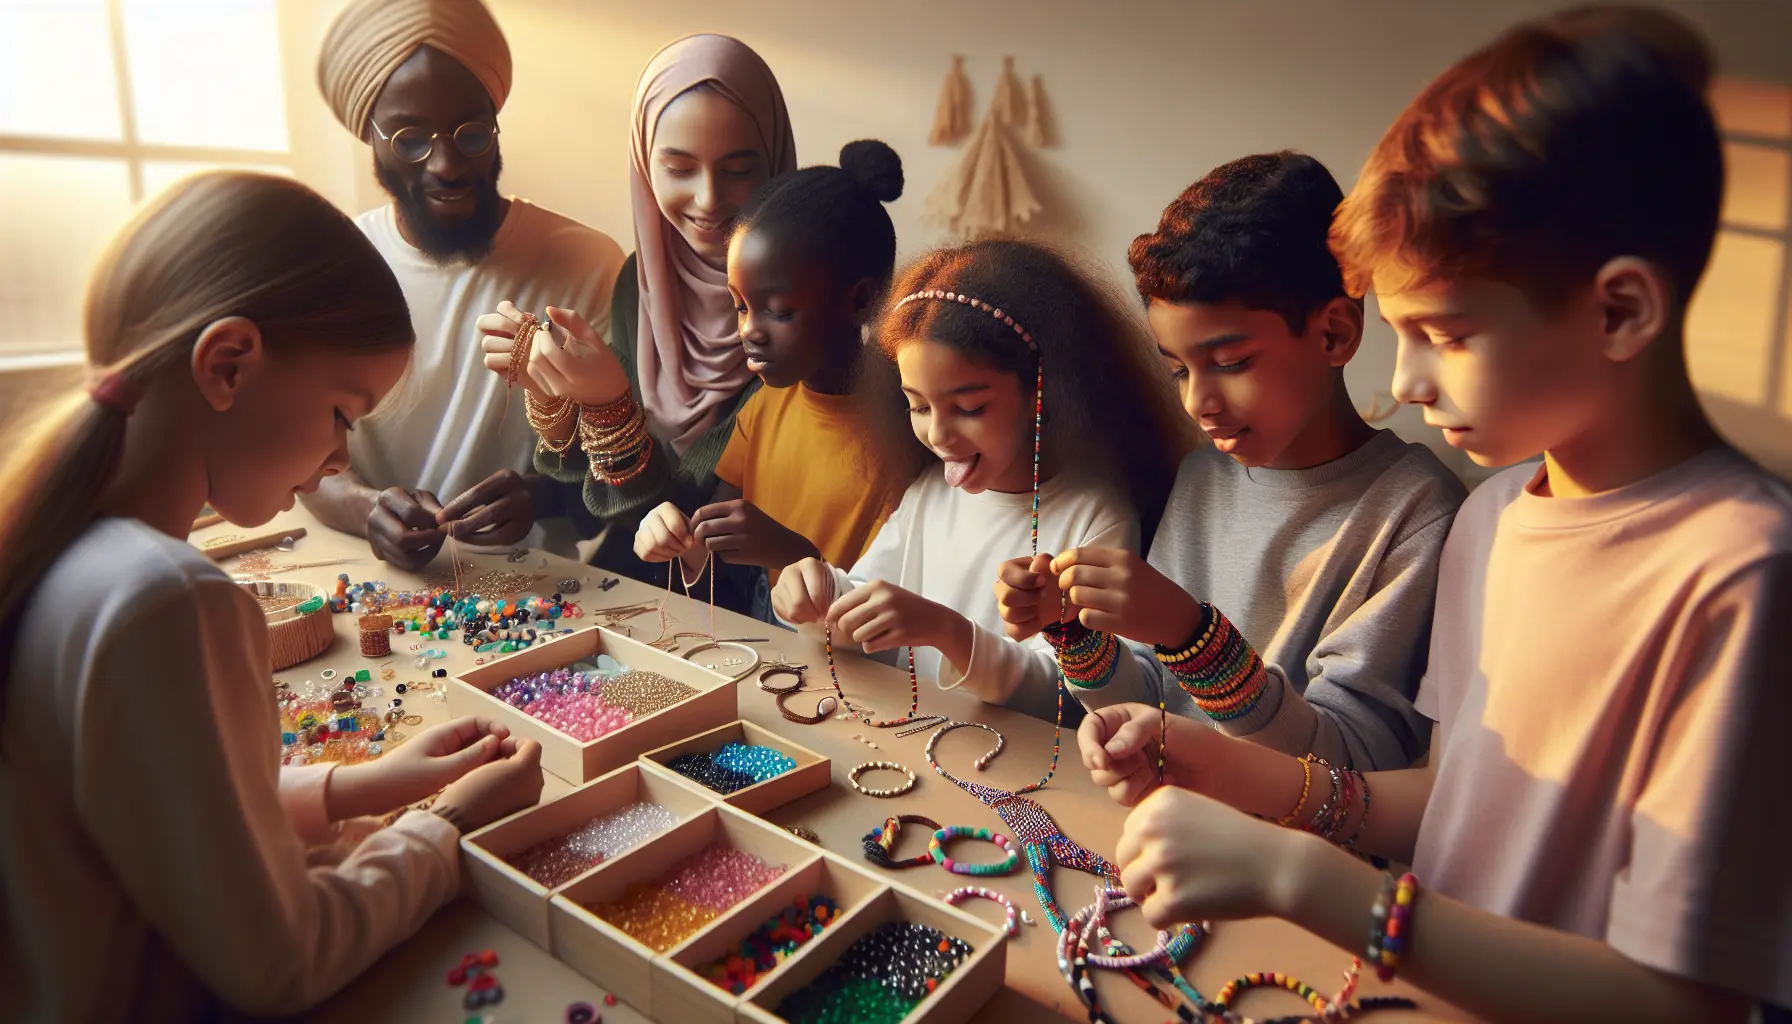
1739,328
109,102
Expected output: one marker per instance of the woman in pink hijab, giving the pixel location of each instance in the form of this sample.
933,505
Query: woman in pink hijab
709,126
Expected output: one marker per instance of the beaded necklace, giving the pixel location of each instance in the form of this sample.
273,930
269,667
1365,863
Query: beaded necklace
1041,840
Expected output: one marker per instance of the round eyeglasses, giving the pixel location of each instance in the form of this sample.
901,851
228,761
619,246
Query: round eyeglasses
413,145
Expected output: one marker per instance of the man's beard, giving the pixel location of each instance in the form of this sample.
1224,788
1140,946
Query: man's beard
469,240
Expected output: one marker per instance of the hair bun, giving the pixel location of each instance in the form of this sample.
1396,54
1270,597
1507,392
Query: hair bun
876,168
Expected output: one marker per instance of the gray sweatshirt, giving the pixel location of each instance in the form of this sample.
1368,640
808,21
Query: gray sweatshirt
1330,574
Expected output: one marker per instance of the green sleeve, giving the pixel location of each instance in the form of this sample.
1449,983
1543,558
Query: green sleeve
687,480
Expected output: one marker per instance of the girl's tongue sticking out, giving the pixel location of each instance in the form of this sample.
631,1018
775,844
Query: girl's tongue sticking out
959,470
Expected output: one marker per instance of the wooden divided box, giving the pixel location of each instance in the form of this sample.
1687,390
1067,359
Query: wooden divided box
713,705
518,900
812,771
681,993
964,991
614,959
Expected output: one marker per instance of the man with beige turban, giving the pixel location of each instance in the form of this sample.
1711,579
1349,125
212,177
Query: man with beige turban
422,82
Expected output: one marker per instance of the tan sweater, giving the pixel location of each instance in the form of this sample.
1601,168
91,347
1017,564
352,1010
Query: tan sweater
153,853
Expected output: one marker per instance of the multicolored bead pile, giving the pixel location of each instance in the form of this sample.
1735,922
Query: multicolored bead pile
772,943
879,978
554,862
488,625
734,767
588,700
320,723
659,915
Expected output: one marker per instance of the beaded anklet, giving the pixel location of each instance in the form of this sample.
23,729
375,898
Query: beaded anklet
936,848
1218,668
879,842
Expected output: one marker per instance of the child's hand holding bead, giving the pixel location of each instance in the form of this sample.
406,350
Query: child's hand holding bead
1028,596
1118,592
804,591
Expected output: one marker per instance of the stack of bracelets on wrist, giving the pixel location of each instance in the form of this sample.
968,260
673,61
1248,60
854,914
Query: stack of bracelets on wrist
614,437
547,414
1328,821
1390,927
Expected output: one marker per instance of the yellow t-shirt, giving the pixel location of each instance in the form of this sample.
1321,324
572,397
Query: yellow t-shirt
795,453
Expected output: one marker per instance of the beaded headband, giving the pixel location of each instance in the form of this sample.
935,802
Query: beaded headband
977,304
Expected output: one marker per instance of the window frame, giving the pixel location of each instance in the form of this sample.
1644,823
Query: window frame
134,154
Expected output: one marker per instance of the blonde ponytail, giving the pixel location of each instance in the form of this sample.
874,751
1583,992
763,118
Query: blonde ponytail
214,246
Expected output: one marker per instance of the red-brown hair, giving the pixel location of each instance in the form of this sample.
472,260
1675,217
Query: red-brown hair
1565,143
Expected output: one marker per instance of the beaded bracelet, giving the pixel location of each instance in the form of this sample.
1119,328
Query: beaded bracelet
781,670
936,848
817,718
1363,822
1306,786
852,778
1009,923
1387,941
880,841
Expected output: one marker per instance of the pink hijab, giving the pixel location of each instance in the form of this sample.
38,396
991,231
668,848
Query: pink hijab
688,350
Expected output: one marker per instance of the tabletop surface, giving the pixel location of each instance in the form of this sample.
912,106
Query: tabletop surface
408,984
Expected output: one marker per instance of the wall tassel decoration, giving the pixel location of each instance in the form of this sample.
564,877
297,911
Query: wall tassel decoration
987,191
952,118
1041,131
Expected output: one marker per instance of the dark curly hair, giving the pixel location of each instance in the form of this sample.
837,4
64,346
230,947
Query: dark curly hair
1109,412
835,215
1252,231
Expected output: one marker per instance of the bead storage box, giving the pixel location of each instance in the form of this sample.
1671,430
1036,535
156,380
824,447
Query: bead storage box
576,760
493,880
611,957
680,990
812,771
959,995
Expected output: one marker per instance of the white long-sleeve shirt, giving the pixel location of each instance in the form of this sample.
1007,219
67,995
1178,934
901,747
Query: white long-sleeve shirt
152,849
947,546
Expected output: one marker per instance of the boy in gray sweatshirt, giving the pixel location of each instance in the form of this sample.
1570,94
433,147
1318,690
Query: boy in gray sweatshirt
1288,592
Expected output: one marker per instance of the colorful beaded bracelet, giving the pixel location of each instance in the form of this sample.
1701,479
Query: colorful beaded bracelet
1387,942
936,848
879,842
963,893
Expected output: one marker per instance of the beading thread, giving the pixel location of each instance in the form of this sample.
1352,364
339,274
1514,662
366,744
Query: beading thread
1008,320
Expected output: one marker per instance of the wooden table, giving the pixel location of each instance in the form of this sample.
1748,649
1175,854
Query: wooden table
408,983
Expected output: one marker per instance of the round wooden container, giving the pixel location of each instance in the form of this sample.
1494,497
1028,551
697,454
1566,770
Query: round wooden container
293,636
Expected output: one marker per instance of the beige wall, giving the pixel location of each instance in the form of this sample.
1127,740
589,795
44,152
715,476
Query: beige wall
1147,94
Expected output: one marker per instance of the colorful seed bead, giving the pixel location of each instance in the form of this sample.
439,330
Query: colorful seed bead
770,944
936,848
